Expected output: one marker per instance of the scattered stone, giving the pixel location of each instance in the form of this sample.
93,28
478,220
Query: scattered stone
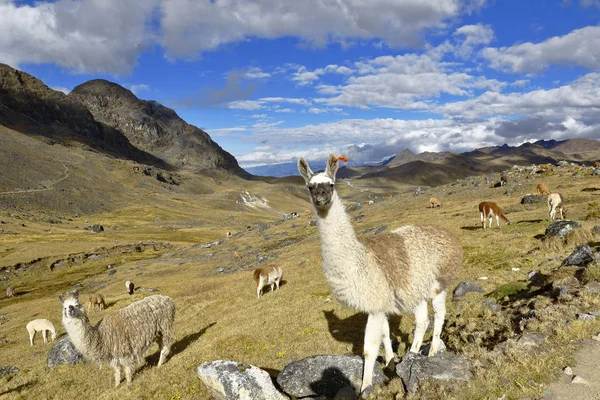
579,380
492,305
561,228
220,270
581,256
596,171
112,272
596,337
416,367
324,375
483,278
353,207
64,352
466,287
596,229
313,222
3,341
304,262
380,229
95,257
514,269
531,340
8,370
145,289
532,199
593,286
96,228
230,380
568,370
585,317
567,285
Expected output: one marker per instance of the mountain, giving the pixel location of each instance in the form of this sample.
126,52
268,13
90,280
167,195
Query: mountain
406,156
276,170
152,127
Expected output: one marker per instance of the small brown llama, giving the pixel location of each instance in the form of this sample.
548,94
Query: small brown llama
542,189
389,274
489,209
96,300
433,202
597,164
267,275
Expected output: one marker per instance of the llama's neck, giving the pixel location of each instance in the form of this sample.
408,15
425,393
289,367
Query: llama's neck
85,337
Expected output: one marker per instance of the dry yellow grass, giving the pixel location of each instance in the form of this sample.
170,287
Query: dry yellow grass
219,317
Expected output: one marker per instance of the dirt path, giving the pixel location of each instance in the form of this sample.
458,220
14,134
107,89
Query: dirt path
588,367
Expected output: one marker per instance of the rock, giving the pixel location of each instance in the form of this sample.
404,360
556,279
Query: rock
532,199
96,228
596,229
466,287
380,229
561,228
492,305
579,380
8,370
415,367
567,285
313,222
593,286
230,380
353,207
112,272
3,341
581,256
585,317
324,375
346,393
568,370
64,352
303,262
531,340
596,171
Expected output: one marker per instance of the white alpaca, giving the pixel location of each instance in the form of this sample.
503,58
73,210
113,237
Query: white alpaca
392,273
40,325
267,275
555,202
130,287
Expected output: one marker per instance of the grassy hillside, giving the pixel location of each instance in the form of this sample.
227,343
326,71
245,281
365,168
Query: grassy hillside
218,314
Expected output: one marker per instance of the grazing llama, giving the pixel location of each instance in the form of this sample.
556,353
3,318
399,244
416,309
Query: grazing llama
555,202
542,189
503,180
96,299
42,325
489,209
130,287
267,275
433,202
123,337
597,164
10,292
393,273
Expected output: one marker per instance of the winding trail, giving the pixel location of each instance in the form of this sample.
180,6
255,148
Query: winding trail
48,185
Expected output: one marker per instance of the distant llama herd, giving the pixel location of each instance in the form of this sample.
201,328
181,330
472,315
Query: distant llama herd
398,272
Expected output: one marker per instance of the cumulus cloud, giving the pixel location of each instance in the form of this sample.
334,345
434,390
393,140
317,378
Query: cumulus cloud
471,37
580,47
137,89
61,89
256,73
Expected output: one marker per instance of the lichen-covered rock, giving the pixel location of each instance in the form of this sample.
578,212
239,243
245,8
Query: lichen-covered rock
230,380
416,367
64,352
324,375
561,228
532,199
466,287
581,256
8,370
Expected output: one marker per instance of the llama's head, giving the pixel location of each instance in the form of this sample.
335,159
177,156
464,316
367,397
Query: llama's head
71,306
321,186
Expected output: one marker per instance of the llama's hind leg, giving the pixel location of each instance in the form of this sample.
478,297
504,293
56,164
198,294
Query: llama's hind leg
421,323
44,335
439,308
128,367
117,367
164,343
373,335
387,342
31,335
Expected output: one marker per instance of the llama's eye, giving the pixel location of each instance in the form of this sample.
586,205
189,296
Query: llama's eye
331,185
310,187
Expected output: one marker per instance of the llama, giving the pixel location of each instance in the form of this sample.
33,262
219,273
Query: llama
267,275
10,292
555,202
597,164
130,287
433,202
542,189
42,325
393,273
124,336
96,299
503,180
489,209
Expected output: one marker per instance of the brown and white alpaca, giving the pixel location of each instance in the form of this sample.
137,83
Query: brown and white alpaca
503,180
42,325
267,275
393,273
10,292
433,202
130,287
96,299
489,209
123,337
555,202
542,189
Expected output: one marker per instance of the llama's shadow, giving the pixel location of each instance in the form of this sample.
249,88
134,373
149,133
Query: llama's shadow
352,330
530,221
470,228
19,388
590,189
267,288
177,347
332,380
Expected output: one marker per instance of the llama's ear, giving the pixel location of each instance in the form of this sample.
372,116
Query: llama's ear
61,298
304,169
332,167
76,295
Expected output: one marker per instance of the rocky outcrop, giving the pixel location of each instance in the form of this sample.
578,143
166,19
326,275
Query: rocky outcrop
416,367
64,352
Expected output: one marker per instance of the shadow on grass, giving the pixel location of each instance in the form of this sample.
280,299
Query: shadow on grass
178,347
590,189
19,388
530,221
470,228
352,330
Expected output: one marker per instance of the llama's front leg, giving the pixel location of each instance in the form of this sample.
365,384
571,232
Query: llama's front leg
117,368
165,349
439,308
387,342
128,367
421,323
482,220
31,335
373,335
44,335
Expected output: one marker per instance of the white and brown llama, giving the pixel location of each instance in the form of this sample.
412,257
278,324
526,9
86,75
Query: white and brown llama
390,274
267,275
433,202
489,209
41,325
556,203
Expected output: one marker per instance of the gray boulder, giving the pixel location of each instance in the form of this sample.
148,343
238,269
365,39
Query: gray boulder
561,228
445,366
532,199
8,370
466,287
96,228
581,256
64,352
230,380
324,375
596,171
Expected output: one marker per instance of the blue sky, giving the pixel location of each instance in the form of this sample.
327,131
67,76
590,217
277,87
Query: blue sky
272,80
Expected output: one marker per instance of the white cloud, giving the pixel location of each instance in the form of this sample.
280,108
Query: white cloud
580,47
256,73
245,104
136,89
520,83
259,116
61,89
284,110
286,100
472,36
304,77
